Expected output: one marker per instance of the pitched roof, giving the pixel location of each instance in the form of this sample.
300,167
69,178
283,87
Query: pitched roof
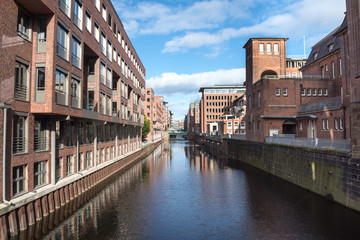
326,104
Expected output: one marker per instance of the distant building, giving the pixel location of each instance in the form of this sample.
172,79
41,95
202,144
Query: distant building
215,102
154,112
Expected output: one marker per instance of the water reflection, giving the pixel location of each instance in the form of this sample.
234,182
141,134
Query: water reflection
179,192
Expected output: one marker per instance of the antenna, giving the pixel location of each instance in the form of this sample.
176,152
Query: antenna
304,47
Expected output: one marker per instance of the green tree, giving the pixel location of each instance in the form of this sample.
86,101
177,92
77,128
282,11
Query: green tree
146,128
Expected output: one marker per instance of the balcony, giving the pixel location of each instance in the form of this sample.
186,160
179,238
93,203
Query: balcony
21,92
115,113
40,143
75,60
40,95
102,109
75,102
19,145
60,97
61,51
108,111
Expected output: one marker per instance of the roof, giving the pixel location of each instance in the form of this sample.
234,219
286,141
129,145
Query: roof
342,28
326,104
322,47
242,87
263,39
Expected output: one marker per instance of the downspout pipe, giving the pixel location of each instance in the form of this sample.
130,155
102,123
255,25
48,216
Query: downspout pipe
5,106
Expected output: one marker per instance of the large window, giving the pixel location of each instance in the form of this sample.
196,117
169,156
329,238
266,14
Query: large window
62,42
40,173
88,159
97,5
19,179
96,31
77,14
276,48
109,51
40,135
104,12
61,87
108,78
76,53
69,165
20,134
24,25
21,80
103,43
75,92
102,73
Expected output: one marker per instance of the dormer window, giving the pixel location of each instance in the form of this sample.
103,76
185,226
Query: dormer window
330,47
315,55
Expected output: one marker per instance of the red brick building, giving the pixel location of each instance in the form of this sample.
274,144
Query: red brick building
215,102
71,91
154,111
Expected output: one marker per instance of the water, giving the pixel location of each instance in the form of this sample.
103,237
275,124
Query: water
180,193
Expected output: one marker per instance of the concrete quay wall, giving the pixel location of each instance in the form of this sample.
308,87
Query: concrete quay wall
57,202
331,174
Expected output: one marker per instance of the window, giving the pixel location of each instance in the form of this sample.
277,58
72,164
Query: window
268,48
330,47
65,7
75,92
332,69
261,48
61,87
41,35
301,126
294,75
340,67
114,53
40,136
58,169
315,56
285,92
102,73
259,98
20,134
108,103
229,124
108,78
308,92
89,132
341,123
40,84
323,124
97,5
88,21
336,126
109,51
88,159
103,43
96,32
104,12
314,92
81,133
109,20
303,92
276,48
69,165
40,173
325,91
327,124
320,92
287,75
21,91
322,72
326,67
277,92
19,179
76,53
77,14
24,25
62,42
102,103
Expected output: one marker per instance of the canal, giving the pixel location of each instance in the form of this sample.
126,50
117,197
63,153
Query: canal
178,192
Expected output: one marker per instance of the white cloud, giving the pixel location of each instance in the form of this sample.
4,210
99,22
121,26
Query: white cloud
173,83
306,17
157,18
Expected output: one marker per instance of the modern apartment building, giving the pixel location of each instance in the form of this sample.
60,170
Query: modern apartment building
72,87
215,102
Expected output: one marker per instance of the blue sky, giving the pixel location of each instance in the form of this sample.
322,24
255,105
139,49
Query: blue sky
185,44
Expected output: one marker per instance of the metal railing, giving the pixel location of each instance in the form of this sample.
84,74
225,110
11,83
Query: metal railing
102,109
90,105
40,143
19,144
102,79
20,92
61,51
75,102
342,145
75,60
77,21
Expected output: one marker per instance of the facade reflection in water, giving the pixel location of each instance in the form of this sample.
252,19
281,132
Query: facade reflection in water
178,192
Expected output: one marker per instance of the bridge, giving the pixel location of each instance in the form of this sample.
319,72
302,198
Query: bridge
178,135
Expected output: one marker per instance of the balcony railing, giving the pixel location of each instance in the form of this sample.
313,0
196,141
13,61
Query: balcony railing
61,51
75,60
77,21
108,111
60,97
102,79
75,101
102,109
115,113
19,145
40,143
20,92
108,82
